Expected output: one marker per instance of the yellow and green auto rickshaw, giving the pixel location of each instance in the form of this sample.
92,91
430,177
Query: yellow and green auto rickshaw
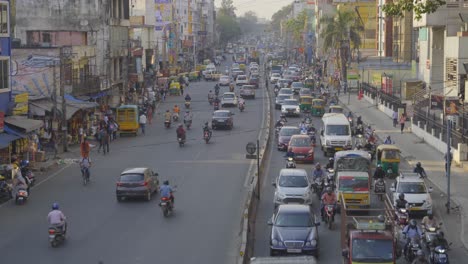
193,76
389,157
174,88
242,66
305,103
127,118
318,107
309,83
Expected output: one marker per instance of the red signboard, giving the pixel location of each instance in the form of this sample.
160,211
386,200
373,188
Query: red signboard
2,121
387,85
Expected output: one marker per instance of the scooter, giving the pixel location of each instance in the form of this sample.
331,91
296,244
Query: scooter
21,195
167,123
188,123
187,104
329,215
206,136
56,236
181,141
166,206
439,255
379,188
402,217
290,163
175,117
430,235
241,107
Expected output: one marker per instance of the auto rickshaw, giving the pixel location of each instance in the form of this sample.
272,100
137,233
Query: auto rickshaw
389,157
242,66
206,62
335,109
127,118
174,88
305,103
193,76
318,107
309,83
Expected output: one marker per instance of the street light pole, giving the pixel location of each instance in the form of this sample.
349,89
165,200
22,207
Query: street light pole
448,162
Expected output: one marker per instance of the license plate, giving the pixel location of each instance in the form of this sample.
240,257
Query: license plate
294,250
163,203
415,209
51,237
338,149
300,156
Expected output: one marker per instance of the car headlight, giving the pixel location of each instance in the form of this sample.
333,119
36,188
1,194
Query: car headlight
297,108
311,243
275,242
311,151
280,196
428,204
283,109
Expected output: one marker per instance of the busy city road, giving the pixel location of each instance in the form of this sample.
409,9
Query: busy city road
210,181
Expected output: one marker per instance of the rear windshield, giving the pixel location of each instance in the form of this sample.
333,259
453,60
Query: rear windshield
132,177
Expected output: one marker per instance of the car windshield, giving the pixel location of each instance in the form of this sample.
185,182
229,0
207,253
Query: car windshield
283,97
291,102
228,96
353,184
276,75
337,130
305,91
221,114
297,85
241,78
354,163
372,250
411,187
225,78
293,181
289,219
131,177
289,131
300,142
285,91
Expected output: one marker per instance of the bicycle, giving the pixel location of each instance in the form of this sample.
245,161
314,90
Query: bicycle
85,175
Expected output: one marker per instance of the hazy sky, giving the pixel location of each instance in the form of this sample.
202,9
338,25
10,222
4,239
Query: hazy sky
263,8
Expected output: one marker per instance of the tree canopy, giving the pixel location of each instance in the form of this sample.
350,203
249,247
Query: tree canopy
278,16
248,22
228,28
227,8
335,29
398,7
296,25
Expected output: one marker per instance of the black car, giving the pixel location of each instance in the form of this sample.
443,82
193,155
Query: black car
285,135
294,230
222,119
137,182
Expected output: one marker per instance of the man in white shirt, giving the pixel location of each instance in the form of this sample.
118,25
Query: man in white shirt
143,122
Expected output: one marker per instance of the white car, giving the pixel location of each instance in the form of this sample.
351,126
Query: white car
417,194
292,186
290,107
224,80
229,99
275,77
242,80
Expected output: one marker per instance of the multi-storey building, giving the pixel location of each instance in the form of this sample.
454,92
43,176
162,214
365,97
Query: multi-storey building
5,52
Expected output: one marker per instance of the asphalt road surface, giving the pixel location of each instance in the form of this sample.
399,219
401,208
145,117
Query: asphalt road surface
210,181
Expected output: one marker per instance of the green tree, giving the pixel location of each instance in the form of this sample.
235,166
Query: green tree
341,33
398,7
279,16
296,26
228,28
227,8
248,22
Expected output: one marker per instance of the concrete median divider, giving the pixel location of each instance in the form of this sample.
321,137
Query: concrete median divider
247,223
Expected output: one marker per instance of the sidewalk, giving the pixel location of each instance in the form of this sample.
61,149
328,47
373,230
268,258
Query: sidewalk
413,149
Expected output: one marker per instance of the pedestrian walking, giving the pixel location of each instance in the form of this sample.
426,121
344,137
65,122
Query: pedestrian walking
402,122
103,140
150,114
182,88
143,122
448,163
395,118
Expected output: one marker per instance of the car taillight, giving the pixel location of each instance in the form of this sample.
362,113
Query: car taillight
51,231
119,184
165,198
144,184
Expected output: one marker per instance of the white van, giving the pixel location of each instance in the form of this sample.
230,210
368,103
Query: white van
335,134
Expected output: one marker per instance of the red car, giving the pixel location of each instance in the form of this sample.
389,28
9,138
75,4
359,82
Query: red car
302,147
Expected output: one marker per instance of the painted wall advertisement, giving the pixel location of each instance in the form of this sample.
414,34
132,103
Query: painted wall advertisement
21,104
163,13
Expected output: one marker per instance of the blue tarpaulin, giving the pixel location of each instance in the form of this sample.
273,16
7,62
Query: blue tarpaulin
13,132
5,139
70,98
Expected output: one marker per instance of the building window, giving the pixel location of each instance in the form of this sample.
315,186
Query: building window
46,38
4,27
4,74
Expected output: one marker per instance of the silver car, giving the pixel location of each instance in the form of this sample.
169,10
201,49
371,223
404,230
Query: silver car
292,186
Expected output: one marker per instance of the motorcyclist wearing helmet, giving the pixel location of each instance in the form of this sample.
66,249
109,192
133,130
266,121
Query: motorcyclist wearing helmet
56,218
188,98
330,164
440,241
411,231
188,116
401,203
166,191
283,118
206,127
180,132
318,172
429,220
328,198
379,172
420,258
420,170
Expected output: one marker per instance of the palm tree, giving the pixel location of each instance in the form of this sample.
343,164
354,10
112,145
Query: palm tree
341,31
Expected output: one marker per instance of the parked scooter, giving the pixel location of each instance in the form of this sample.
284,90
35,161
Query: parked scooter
290,163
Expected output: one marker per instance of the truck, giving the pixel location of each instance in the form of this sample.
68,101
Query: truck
372,238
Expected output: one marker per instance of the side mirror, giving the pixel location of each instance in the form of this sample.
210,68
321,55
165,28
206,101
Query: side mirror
392,189
345,253
321,133
430,189
274,184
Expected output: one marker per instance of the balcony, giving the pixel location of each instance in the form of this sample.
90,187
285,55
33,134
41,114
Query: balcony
86,85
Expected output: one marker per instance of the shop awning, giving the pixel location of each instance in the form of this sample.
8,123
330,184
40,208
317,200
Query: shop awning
14,132
6,139
23,123
40,107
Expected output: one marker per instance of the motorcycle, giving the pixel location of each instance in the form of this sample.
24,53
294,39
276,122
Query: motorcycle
379,188
206,136
188,123
216,106
28,174
241,107
166,206
317,186
21,195
276,90
331,177
439,255
187,104
412,249
210,100
181,141
402,216
430,236
329,215
56,236
85,175
290,163
175,117
167,123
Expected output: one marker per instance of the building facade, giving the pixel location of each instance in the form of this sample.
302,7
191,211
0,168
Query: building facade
5,53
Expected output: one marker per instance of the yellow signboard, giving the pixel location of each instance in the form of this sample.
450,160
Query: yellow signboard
21,109
22,98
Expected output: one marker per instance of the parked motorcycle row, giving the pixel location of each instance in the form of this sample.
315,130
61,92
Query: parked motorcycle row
21,191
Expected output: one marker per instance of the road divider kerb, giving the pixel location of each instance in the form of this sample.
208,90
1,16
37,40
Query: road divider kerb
264,145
